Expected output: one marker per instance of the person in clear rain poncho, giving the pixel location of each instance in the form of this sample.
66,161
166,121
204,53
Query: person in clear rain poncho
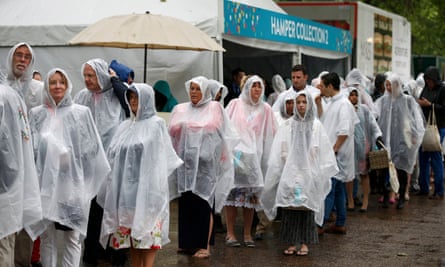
298,178
71,166
278,86
136,209
20,204
107,113
19,67
203,137
286,105
366,134
256,125
402,125
356,79
218,91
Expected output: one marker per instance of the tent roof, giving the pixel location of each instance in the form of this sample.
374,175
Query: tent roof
85,12
50,22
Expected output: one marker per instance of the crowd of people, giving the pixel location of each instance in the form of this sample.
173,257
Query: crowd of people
99,168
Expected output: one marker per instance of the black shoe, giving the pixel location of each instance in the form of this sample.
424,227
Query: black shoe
259,236
36,264
219,229
357,202
401,204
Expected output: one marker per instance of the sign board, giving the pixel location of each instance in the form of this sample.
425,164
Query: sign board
251,22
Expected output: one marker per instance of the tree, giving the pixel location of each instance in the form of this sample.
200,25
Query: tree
425,16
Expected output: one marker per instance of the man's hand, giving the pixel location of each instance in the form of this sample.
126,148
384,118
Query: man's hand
423,102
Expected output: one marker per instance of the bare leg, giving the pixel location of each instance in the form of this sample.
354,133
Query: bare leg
365,189
349,191
408,186
148,257
248,219
136,257
230,221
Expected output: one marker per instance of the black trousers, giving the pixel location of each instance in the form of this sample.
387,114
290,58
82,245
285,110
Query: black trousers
93,249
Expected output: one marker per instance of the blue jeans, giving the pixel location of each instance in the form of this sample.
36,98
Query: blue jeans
435,160
336,197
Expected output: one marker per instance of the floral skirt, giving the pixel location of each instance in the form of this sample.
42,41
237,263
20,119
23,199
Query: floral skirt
122,239
244,197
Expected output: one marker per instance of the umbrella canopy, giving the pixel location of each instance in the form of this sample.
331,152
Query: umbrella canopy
146,31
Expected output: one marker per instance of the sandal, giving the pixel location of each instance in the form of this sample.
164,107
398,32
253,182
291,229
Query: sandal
290,251
301,252
232,243
249,243
202,254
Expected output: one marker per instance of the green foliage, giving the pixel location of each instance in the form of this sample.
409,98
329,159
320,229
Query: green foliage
426,18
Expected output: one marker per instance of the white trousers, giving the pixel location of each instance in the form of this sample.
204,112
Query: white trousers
68,241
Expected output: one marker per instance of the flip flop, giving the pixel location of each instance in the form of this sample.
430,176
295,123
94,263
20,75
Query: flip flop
289,252
301,252
201,254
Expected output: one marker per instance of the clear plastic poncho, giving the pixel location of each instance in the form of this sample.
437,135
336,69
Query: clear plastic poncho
365,134
29,89
256,125
339,118
282,115
104,105
402,124
215,87
70,160
278,86
20,204
141,158
203,137
314,92
301,165
356,79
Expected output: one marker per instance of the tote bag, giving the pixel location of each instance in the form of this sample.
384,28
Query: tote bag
431,138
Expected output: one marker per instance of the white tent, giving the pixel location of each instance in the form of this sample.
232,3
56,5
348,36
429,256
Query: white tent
48,25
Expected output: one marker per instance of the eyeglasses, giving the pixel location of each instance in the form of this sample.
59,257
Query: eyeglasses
20,55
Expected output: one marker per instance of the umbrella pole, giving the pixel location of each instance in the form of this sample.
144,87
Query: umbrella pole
145,64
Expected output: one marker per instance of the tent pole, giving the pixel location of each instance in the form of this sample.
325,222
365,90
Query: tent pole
145,63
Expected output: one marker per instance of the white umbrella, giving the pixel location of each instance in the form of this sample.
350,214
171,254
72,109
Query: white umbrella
146,31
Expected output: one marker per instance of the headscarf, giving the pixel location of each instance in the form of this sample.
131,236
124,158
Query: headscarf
141,158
